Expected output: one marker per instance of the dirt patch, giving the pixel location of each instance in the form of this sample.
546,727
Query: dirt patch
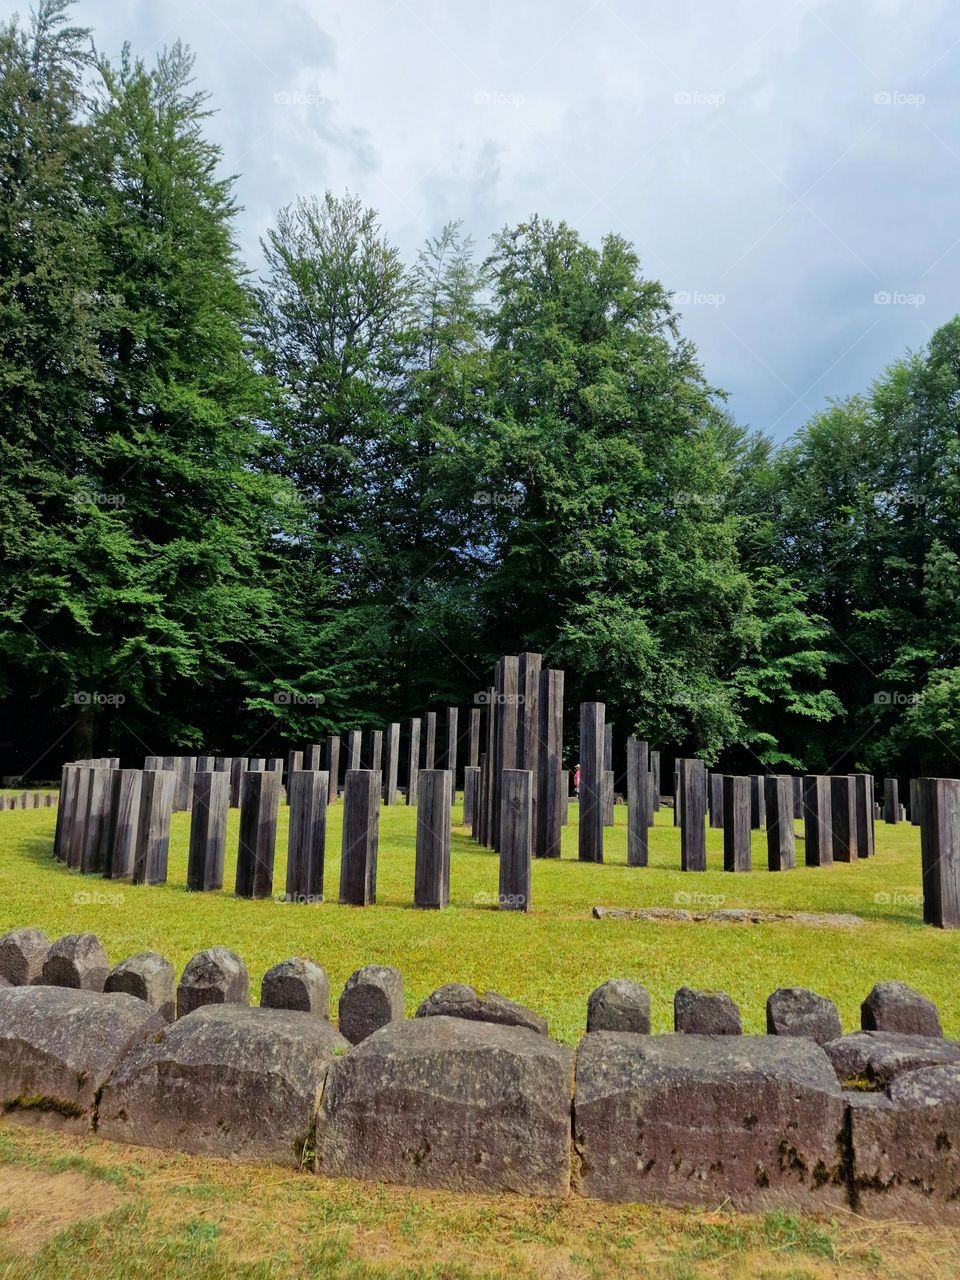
35,1206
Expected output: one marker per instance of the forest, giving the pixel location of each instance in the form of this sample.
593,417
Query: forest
242,507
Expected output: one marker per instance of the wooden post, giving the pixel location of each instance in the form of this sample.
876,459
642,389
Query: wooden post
432,867
677,792
294,765
238,767
693,813
608,797
450,752
778,804
591,781
313,757
655,770
96,822
205,764
361,826
915,802
333,767
817,821
471,787
490,756
516,842
550,798
507,695
208,831
354,746
891,800
430,740
473,748
68,775
376,751
758,815
863,790
480,820
797,784
528,724
153,827
392,762
125,788
185,767
715,782
258,834
843,805
736,823
78,817
940,851
309,797
413,764
638,803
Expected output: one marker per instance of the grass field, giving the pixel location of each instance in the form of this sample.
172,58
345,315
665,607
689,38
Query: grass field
550,959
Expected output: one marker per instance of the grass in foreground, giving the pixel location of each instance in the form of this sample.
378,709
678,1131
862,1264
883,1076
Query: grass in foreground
550,959
97,1211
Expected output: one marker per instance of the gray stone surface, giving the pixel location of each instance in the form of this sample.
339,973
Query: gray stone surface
795,1011
447,1102
149,976
76,960
893,1006
905,1151
59,1045
226,1080
371,997
214,976
22,953
456,1000
619,1005
753,1121
299,985
872,1059
705,1013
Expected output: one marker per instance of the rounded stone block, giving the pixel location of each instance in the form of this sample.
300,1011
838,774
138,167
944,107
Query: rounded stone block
214,976
298,984
148,976
22,953
705,1013
77,960
457,1000
619,1005
795,1011
893,1006
371,998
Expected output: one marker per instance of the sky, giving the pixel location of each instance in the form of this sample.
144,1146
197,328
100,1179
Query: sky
790,170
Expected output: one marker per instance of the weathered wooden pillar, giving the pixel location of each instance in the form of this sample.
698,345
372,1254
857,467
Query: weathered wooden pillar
392,762
333,767
430,740
757,801
361,830
891,800
843,806
313,757
489,764
413,763
507,694
677,792
863,791
205,764
96,822
480,820
354,747
471,786
516,839
940,851
125,789
638,802
565,792
817,821
797,784
76,825
550,799
781,845
655,770
915,802
258,834
736,823
208,831
715,796
238,767
376,751
608,797
432,868
528,724
185,768
473,747
294,765
591,782
309,797
68,775
693,812
153,827
450,751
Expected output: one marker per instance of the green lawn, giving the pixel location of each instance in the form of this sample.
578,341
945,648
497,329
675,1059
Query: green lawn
551,958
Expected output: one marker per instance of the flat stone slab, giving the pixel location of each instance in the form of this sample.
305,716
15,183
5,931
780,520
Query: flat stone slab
451,1103
873,1059
225,1080
57,1047
679,1119
905,1152
730,915
456,1000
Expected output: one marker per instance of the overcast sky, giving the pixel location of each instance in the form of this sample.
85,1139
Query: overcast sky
791,170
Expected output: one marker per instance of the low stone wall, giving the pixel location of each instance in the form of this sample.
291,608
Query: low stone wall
472,1093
